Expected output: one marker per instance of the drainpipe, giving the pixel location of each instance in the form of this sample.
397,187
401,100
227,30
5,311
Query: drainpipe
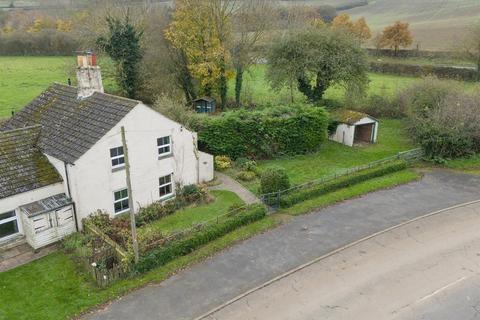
70,195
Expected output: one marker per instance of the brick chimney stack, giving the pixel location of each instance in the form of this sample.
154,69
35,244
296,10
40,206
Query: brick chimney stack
89,77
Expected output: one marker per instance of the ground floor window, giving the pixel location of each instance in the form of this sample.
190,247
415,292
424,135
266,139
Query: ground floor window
8,224
166,186
121,201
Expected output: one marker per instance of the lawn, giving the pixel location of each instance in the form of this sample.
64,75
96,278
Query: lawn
334,157
52,288
23,78
185,218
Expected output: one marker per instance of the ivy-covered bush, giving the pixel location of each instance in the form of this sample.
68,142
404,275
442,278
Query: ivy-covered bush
264,133
164,254
274,179
343,182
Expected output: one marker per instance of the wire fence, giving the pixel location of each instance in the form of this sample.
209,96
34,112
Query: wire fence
273,199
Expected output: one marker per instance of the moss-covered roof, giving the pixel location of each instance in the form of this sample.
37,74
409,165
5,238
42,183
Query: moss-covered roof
70,126
23,167
349,117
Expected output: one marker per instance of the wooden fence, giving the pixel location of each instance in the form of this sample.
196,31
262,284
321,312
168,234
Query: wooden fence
273,199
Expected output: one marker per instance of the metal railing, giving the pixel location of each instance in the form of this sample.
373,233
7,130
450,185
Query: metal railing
273,199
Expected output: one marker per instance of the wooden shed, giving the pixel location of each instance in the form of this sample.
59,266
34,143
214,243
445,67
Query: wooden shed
204,105
353,127
47,221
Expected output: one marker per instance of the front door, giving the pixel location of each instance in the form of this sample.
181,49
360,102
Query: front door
8,224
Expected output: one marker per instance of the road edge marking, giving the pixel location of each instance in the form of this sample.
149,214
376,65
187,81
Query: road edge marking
331,253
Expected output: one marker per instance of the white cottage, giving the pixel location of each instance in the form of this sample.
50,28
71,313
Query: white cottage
354,127
73,137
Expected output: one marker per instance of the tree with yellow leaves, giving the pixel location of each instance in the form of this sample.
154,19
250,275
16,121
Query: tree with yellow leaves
343,21
358,28
396,36
362,30
202,30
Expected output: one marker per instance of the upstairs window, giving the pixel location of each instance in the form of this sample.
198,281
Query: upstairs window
164,146
166,186
117,156
121,201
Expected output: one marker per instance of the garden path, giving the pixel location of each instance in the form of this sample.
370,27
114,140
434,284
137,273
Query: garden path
227,183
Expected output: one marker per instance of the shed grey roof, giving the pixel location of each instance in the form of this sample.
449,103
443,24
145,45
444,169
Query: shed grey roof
23,167
70,126
46,205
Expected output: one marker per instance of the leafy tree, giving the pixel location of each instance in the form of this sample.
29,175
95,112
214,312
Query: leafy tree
122,44
358,28
343,21
315,59
201,30
396,36
362,30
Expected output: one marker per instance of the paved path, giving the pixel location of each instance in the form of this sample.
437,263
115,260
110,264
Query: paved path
428,269
227,183
259,259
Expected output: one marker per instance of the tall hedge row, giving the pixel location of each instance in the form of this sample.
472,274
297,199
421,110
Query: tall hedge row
403,69
266,133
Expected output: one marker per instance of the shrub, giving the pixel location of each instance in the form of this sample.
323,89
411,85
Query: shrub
343,182
223,162
246,175
444,120
172,250
274,179
264,133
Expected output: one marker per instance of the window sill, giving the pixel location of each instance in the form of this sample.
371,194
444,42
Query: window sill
167,197
165,156
124,212
118,169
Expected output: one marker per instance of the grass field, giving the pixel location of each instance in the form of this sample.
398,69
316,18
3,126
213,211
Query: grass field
23,78
436,25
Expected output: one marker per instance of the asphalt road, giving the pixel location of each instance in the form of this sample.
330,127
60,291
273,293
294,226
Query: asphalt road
429,269
211,283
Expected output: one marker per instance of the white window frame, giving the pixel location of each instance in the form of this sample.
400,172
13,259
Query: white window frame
120,200
10,219
169,145
160,186
121,165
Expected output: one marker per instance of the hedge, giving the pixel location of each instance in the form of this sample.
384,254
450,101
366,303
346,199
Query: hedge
408,53
162,255
465,74
265,133
343,182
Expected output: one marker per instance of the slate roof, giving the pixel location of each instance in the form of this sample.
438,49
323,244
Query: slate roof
351,117
23,167
70,127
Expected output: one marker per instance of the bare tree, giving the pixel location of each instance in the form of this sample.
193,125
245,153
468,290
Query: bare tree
252,20
472,46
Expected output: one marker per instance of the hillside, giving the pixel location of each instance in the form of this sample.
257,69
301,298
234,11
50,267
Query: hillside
436,24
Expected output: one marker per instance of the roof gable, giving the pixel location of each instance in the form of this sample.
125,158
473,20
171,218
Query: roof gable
23,167
70,126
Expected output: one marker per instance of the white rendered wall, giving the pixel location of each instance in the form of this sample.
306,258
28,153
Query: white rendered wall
345,134
93,183
206,167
